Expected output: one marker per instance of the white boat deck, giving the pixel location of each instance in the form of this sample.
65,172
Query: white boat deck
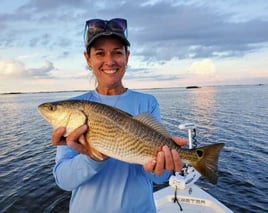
192,199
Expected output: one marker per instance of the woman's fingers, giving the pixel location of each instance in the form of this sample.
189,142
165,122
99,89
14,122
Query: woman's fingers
179,141
169,162
77,135
177,161
166,159
74,136
160,163
58,136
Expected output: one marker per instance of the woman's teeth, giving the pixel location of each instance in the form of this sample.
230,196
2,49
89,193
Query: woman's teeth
109,71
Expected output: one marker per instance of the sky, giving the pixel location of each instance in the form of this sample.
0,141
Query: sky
174,43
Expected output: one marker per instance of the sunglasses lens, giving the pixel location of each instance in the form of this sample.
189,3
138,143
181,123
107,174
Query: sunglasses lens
93,27
117,25
96,26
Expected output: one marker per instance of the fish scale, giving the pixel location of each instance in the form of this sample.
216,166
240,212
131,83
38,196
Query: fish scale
133,139
130,147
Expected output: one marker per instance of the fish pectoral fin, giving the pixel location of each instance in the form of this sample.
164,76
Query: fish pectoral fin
149,120
93,153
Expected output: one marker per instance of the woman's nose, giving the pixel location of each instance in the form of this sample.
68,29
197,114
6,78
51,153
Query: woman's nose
109,60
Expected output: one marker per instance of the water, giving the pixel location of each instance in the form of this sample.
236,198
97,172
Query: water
234,115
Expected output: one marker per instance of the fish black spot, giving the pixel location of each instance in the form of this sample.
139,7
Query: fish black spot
199,153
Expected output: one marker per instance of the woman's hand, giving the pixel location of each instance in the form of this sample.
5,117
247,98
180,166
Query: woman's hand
76,140
166,159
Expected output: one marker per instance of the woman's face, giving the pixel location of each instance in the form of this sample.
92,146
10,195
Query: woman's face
108,59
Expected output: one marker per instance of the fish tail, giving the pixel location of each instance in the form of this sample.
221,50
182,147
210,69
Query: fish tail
207,163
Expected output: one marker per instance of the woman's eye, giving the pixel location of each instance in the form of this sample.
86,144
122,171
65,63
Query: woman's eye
118,52
99,53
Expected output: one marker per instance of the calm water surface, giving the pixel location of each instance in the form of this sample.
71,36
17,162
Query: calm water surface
234,115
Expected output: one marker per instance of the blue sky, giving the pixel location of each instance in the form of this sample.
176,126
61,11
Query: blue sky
173,43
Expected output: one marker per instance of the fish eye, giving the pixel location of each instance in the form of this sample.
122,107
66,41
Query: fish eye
199,153
52,107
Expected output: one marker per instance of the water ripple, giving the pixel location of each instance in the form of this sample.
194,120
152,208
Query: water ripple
232,115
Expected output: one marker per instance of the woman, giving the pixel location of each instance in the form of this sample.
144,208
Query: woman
103,184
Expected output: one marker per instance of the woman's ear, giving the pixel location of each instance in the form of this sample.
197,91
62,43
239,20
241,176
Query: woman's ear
127,56
87,57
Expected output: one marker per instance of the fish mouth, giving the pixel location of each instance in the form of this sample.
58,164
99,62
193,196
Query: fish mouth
42,110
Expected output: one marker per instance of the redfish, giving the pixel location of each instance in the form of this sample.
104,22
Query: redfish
133,139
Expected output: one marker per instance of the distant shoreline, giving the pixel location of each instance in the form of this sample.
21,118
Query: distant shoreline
20,93
187,87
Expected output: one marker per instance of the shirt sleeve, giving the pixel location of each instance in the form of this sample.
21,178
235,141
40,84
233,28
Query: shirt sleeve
155,110
159,179
73,169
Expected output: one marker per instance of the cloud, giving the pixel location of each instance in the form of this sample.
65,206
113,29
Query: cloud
184,27
41,72
183,30
45,5
204,67
160,31
10,69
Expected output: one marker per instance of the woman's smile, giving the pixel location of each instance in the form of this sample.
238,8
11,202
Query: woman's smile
109,71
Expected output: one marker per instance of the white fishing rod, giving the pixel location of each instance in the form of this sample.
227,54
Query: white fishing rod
189,127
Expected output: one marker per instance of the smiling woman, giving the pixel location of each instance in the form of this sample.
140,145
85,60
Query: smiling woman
89,173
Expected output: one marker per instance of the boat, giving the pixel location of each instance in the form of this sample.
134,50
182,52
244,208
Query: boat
183,194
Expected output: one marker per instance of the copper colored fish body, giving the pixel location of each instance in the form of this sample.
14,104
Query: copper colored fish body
133,139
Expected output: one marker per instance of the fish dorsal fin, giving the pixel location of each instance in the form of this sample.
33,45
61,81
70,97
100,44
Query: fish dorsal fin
119,110
148,120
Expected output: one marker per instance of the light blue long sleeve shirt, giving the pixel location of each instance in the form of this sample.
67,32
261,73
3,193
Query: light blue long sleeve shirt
110,185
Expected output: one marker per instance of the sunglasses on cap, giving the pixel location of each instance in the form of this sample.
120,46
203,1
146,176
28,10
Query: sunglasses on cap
95,28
